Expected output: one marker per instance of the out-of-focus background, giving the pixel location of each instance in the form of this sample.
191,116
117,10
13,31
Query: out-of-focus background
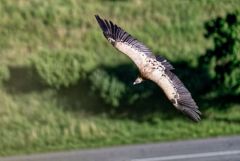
64,87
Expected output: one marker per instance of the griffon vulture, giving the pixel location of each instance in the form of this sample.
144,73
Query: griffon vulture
155,68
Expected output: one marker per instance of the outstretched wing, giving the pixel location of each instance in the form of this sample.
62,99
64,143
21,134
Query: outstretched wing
176,92
124,42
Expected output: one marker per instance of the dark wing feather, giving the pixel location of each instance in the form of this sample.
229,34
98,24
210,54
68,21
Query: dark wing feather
111,30
164,62
185,102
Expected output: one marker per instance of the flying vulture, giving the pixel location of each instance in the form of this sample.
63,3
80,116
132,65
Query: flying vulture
155,68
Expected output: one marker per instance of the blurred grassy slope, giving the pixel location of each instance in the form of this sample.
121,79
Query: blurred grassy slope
34,118
174,28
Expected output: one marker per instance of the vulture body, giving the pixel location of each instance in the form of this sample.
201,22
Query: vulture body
155,68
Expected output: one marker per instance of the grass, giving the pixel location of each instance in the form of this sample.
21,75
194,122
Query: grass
34,118
48,126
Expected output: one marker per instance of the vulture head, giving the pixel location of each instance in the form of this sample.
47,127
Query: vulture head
138,80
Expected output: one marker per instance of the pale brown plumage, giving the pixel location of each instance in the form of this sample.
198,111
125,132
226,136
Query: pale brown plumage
155,68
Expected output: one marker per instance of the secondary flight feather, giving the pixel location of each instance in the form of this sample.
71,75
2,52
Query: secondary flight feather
155,68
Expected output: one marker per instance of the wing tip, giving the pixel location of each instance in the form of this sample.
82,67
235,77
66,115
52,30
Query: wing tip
97,17
185,102
193,113
101,23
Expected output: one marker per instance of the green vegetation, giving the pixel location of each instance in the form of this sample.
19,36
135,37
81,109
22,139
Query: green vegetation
4,73
60,79
223,61
59,68
110,88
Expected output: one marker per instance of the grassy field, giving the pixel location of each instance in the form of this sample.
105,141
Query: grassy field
35,118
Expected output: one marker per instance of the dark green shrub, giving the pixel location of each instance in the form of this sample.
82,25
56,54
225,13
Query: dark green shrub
109,87
114,85
59,68
4,73
223,61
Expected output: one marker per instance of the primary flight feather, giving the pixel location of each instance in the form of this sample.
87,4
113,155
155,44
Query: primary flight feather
155,68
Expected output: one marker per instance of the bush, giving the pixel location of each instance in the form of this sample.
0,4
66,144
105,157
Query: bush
114,86
59,68
4,73
223,61
109,87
